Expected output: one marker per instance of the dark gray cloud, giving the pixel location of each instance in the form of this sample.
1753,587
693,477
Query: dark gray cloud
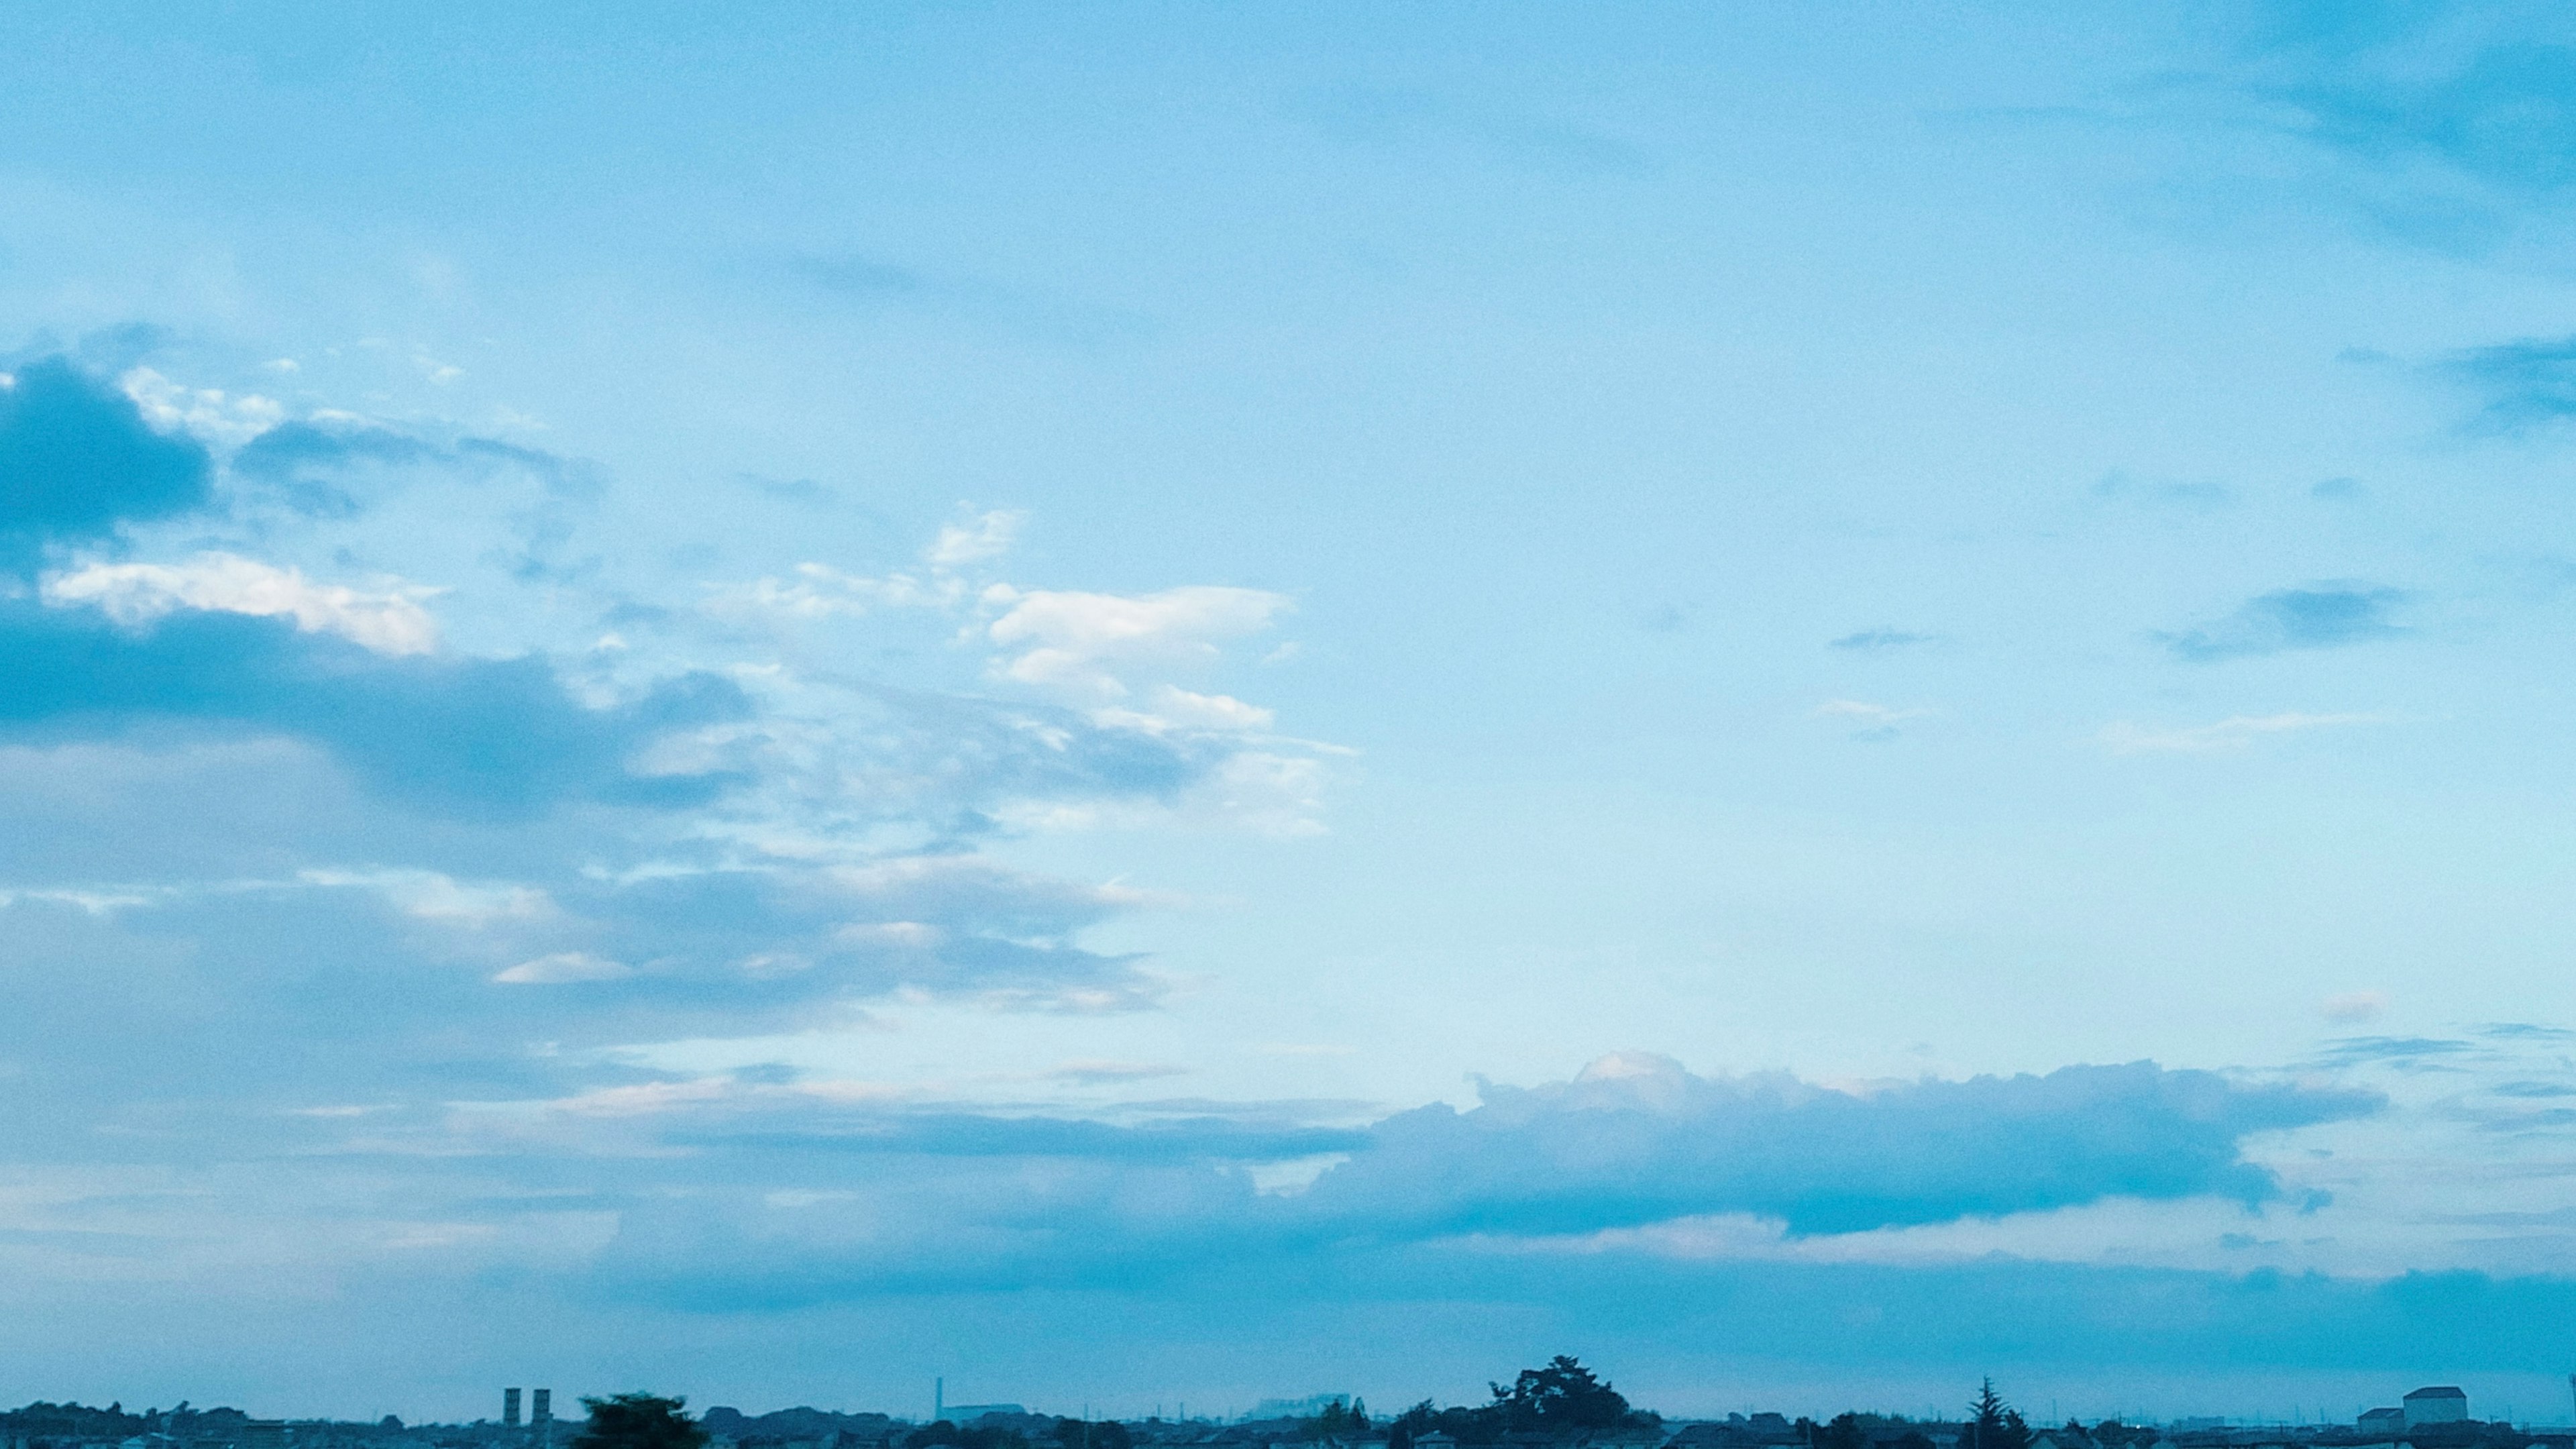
77,458
498,736
2318,616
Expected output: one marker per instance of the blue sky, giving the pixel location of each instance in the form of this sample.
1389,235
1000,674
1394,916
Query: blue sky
1182,703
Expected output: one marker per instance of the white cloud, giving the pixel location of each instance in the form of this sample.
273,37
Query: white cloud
2354,1005
2233,733
1177,708
204,413
1869,721
820,591
1867,713
430,895
564,967
988,535
388,622
1082,643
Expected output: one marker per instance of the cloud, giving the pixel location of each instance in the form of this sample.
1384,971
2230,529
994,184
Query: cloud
330,464
2354,1005
988,535
77,458
772,1190
1412,119
1870,721
2526,383
2320,616
878,285
1171,707
1098,1073
1636,1139
481,735
2120,486
388,622
564,967
820,591
1089,645
858,276
2233,733
2400,1049
207,414
1878,641
2497,109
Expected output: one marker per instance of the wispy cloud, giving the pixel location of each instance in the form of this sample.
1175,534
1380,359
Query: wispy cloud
2524,384
1879,641
2201,495
1377,116
1870,721
2397,1049
2233,733
2328,615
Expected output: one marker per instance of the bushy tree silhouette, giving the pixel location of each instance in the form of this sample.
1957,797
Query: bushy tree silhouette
1092,1434
945,1435
1563,1395
639,1421
1845,1432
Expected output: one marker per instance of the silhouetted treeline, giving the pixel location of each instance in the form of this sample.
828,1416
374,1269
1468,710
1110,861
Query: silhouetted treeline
1559,1405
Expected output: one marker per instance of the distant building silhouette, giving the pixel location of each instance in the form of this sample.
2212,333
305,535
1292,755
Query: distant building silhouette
509,1408
2439,1404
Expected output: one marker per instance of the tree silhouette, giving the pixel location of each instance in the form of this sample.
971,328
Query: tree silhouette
1089,1434
1845,1432
1994,1424
1563,1395
639,1421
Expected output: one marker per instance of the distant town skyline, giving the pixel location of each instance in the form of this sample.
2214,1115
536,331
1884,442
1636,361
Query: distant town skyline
2425,1413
